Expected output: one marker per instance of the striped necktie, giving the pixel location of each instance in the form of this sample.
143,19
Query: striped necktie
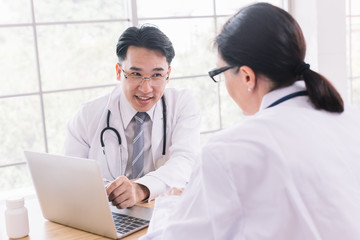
138,146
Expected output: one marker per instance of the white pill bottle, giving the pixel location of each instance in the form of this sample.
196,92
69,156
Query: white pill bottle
16,218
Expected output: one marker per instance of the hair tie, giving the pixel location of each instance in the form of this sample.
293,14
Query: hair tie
301,67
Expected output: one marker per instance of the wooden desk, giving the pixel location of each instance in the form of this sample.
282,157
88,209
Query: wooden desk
42,229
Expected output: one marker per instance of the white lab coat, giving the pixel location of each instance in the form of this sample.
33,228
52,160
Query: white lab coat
183,138
290,172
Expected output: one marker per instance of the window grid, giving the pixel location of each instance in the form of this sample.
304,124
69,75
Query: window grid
218,85
133,20
353,80
349,53
39,75
40,92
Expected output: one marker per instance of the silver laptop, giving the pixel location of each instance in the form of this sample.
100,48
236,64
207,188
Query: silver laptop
71,192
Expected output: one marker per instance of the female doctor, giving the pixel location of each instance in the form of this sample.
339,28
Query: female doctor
291,171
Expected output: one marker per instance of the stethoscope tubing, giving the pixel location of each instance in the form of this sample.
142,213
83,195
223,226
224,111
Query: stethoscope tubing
119,137
288,97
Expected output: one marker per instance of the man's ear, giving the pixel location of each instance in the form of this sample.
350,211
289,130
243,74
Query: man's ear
248,77
169,71
118,71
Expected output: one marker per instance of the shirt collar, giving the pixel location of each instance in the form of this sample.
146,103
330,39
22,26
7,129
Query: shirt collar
127,111
276,94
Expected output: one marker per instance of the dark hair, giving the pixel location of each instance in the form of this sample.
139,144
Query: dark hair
147,36
269,40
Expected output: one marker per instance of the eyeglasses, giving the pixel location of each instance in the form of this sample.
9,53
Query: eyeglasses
136,79
215,73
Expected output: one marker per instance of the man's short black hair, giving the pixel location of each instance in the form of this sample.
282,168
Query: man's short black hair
147,36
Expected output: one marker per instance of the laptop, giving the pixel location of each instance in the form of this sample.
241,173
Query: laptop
71,192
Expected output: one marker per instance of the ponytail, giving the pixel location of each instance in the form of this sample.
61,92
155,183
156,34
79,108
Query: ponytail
322,93
270,41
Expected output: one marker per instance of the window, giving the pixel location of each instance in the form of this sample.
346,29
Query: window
353,48
62,53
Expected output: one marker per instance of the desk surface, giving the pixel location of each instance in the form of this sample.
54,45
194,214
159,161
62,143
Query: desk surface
42,229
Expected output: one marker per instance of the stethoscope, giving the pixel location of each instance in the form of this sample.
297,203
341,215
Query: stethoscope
287,97
119,138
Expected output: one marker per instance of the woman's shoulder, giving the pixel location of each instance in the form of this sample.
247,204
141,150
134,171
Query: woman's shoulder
250,129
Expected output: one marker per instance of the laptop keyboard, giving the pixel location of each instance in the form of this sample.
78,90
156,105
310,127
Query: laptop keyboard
125,223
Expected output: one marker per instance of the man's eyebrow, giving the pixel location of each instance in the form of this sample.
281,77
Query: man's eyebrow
136,69
140,69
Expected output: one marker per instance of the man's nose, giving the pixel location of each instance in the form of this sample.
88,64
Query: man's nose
145,85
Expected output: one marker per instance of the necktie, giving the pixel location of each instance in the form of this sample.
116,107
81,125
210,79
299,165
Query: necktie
138,146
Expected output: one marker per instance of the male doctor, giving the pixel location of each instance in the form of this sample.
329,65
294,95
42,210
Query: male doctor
141,130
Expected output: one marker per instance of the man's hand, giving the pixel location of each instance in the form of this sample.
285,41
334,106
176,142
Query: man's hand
123,193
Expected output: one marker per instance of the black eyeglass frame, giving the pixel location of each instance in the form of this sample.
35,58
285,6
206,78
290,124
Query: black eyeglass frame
217,71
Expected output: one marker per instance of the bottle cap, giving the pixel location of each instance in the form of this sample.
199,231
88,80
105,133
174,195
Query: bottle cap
15,202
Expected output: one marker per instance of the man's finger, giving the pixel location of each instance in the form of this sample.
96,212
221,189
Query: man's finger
115,184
